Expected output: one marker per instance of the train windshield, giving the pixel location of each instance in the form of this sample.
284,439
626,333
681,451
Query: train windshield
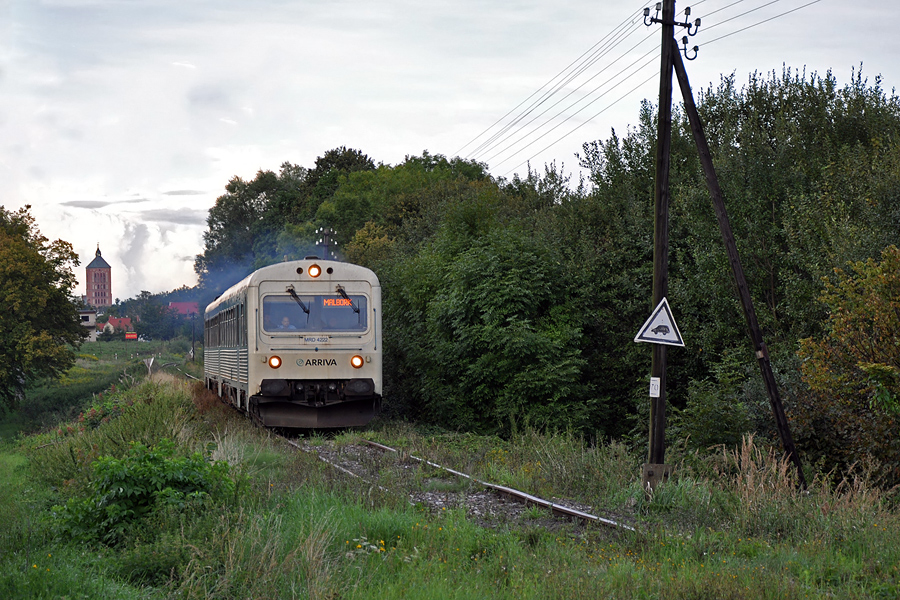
284,313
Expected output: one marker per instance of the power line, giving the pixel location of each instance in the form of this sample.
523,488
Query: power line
570,94
490,143
742,14
574,70
561,73
585,122
759,23
600,97
718,10
501,135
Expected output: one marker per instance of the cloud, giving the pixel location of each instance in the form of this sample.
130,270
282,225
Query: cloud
181,216
209,96
131,251
105,97
87,203
93,204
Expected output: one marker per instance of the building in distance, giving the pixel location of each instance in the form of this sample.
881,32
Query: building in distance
98,284
185,309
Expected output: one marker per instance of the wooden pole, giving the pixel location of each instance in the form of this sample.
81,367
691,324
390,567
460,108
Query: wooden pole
655,471
715,192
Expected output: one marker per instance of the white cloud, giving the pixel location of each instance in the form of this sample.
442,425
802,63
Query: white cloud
108,101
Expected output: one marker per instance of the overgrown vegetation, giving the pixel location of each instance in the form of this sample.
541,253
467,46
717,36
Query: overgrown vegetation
731,524
125,491
852,411
509,312
101,369
514,304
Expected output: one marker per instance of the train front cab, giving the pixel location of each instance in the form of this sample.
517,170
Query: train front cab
319,363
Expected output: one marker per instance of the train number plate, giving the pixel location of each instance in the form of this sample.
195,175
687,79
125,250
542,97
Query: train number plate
312,339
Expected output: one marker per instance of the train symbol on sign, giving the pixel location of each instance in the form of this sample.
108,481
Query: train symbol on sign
660,329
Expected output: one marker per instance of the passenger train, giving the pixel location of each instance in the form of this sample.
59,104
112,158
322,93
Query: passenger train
298,344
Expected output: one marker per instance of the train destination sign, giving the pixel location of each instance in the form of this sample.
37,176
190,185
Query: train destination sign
337,302
660,328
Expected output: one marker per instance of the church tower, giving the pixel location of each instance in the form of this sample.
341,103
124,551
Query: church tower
99,282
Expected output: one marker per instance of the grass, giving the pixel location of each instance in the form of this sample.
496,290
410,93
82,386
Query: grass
99,365
728,525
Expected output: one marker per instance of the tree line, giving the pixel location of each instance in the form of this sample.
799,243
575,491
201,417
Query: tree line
512,303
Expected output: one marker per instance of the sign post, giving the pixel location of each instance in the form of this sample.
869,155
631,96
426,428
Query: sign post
661,331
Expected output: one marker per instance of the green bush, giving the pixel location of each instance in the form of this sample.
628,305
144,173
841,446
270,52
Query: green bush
125,490
153,411
102,411
49,402
494,348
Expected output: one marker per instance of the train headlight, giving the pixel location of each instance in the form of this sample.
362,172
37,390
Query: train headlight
357,361
274,361
314,270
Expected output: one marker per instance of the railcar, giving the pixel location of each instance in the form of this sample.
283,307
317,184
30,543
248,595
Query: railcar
298,345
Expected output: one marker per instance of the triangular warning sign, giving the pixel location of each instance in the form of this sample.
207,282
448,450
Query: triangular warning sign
660,328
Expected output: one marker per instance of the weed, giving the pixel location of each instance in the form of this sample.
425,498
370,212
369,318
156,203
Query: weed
126,490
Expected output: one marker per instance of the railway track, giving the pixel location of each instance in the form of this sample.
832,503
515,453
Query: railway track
521,500
518,497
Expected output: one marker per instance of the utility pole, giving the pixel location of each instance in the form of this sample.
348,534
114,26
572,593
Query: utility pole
656,471
326,241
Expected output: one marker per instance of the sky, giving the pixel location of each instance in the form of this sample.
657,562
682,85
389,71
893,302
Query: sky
121,121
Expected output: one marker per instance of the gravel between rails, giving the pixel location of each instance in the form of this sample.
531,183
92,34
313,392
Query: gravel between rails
436,490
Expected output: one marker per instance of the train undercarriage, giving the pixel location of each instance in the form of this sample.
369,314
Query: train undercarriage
305,404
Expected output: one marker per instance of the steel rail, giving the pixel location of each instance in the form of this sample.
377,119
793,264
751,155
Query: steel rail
335,465
557,509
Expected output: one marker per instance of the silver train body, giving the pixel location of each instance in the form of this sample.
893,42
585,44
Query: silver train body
298,344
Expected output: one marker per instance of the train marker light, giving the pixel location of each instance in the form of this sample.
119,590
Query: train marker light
274,362
314,270
357,361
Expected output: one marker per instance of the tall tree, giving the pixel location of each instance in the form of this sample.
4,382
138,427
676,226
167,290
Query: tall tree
853,369
39,322
155,320
809,171
257,222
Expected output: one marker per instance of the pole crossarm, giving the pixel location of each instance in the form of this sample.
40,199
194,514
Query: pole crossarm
648,20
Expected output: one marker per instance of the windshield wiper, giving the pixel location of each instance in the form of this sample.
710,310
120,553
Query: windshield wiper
344,295
297,299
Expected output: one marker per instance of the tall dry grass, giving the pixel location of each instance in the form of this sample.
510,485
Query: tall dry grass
770,503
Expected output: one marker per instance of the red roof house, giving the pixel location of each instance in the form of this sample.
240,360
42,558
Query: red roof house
185,309
123,323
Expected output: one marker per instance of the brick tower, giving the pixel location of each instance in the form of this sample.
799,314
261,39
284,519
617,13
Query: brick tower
98,284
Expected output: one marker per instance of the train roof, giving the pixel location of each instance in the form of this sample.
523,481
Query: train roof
288,271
